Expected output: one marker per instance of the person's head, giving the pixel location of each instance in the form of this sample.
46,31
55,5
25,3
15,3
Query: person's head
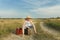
28,18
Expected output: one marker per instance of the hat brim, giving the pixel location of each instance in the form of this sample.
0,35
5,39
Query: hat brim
28,18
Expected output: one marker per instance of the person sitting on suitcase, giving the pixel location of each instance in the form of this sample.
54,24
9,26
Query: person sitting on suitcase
28,25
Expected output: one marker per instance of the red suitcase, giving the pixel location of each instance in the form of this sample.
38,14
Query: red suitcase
18,31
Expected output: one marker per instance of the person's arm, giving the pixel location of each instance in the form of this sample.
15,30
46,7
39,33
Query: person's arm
34,27
23,27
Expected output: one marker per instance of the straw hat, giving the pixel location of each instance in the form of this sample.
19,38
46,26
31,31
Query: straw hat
28,17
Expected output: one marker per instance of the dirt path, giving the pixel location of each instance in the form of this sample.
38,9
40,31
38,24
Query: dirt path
17,37
55,33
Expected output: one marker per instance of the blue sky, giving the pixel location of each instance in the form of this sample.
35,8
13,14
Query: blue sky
33,8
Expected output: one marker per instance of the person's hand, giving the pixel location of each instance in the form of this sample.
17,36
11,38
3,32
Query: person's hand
23,35
35,32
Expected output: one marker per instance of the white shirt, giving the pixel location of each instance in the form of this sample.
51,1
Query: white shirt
27,24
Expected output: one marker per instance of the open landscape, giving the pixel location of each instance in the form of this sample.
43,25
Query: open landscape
45,15
8,29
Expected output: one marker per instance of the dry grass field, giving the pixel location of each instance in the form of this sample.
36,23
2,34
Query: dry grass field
8,26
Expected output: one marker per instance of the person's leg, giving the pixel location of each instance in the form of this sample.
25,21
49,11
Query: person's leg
30,30
31,33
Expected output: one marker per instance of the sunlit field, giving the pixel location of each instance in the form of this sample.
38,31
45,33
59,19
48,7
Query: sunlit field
53,23
8,26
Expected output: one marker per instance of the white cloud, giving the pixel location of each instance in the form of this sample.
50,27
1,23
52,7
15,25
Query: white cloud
8,13
37,2
11,13
48,11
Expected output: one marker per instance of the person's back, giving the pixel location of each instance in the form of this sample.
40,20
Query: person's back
28,24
